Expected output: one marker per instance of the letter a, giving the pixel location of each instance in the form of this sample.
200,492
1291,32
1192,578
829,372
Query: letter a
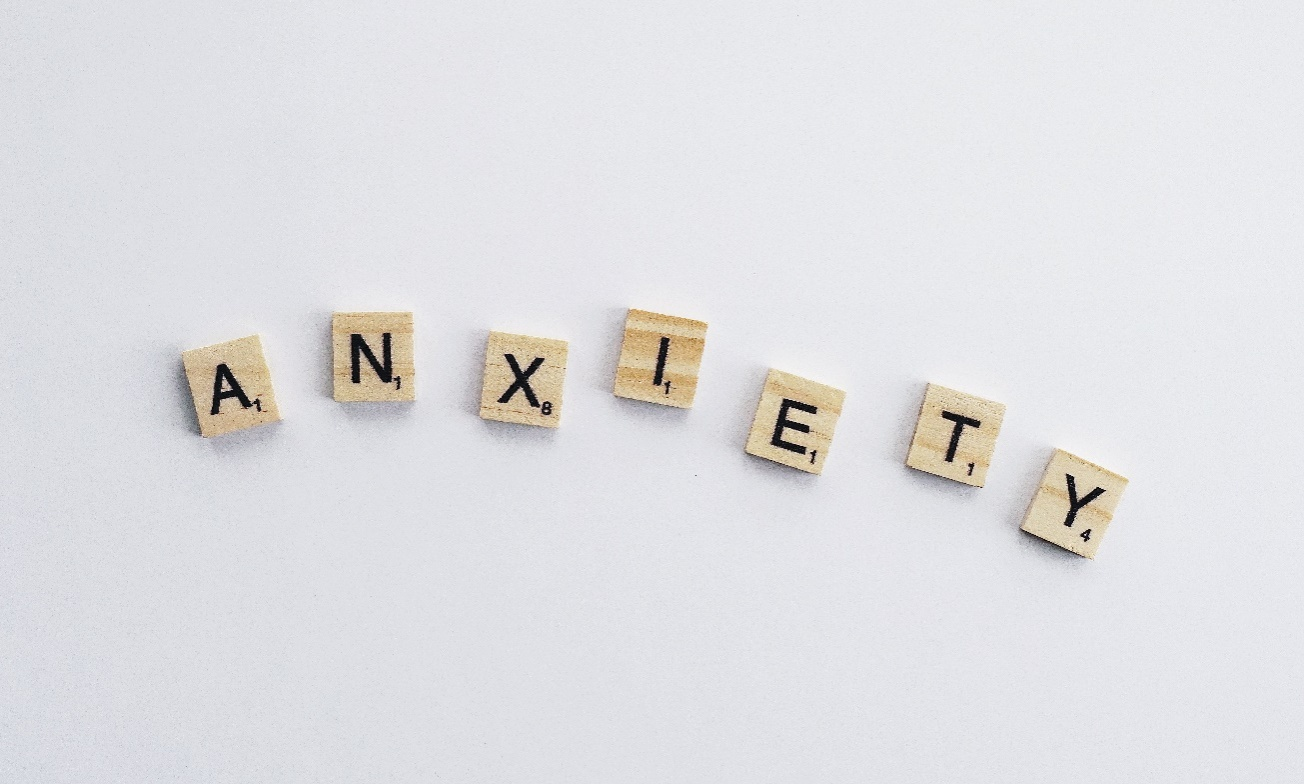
221,377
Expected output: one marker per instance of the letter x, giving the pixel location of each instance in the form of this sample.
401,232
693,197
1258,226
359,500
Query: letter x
522,381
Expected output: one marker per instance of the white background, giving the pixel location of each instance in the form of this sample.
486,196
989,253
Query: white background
1091,214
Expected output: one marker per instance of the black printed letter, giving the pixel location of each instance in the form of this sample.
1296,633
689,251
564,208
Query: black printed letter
522,381
784,423
1074,503
222,375
960,423
659,378
384,369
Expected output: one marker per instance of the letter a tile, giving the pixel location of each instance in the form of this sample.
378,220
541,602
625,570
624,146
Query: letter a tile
1074,504
373,357
956,435
231,386
523,379
794,421
660,358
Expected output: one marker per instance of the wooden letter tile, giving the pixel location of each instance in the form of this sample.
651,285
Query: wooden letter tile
956,435
523,379
373,357
660,358
231,386
794,421
1074,504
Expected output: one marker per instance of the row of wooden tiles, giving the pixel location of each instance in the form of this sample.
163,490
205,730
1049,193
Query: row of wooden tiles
660,358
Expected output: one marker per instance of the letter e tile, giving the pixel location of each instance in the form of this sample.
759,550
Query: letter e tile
794,421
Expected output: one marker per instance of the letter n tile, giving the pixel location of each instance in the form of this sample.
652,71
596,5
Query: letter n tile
373,357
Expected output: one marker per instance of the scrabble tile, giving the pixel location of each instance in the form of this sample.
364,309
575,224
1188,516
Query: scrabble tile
956,435
1074,504
660,358
231,386
373,357
794,421
523,379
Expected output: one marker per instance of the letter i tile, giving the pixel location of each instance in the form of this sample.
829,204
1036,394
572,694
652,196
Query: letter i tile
660,358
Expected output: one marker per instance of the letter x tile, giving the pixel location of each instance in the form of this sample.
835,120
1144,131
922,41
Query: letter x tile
523,379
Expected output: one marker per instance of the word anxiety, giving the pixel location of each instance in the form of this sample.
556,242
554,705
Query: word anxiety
955,436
